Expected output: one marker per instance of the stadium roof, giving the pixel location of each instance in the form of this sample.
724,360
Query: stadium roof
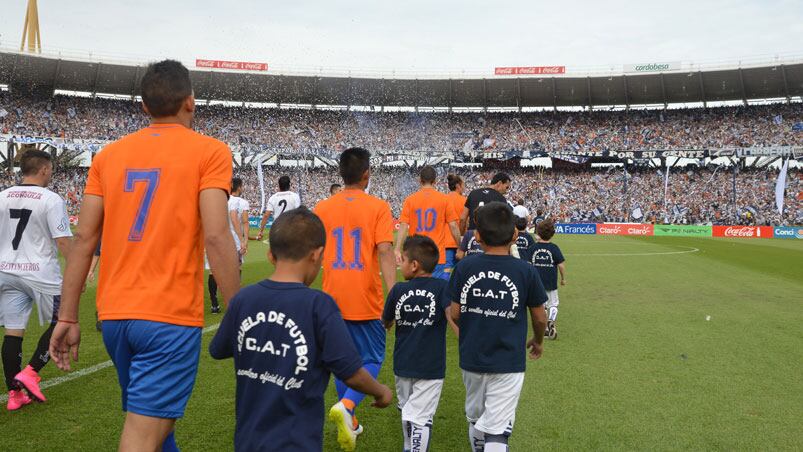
767,81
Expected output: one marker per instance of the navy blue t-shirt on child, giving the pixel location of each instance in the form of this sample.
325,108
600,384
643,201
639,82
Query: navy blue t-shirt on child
545,258
525,243
418,309
494,293
285,339
469,244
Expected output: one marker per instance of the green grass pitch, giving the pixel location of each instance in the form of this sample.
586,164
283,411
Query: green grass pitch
660,347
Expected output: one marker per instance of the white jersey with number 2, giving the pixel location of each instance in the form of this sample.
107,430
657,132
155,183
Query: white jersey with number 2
283,201
31,218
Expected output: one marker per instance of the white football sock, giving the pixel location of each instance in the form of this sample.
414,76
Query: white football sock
419,437
495,443
406,433
476,438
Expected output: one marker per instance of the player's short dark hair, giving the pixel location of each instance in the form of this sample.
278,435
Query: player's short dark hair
453,180
334,187
500,177
495,223
164,87
545,229
236,184
284,183
521,223
422,249
428,175
295,234
354,162
33,160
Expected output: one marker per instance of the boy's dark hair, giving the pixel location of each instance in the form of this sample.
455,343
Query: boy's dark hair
333,187
236,184
295,234
453,180
428,175
284,183
33,160
164,87
495,223
545,229
521,223
422,249
354,162
500,177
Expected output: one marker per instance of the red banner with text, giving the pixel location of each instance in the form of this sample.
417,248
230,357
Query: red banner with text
744,232
624,229
530,70
235,65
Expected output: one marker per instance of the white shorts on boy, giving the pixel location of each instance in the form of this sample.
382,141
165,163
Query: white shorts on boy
491,401
418,399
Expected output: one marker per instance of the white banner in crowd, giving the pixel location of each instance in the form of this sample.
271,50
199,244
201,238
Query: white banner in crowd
780,186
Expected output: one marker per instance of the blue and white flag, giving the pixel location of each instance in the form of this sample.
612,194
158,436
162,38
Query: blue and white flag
780,186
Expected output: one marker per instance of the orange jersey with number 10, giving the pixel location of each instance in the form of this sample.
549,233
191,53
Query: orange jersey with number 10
428,212
150,181
355,223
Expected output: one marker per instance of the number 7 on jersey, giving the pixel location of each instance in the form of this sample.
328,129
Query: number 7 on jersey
150,177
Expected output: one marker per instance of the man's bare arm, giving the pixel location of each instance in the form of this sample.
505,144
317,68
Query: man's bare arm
219,242
387,264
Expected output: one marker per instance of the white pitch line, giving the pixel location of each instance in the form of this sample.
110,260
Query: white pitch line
88,370
690,250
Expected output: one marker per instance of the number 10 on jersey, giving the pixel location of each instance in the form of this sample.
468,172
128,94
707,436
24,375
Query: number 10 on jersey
356,236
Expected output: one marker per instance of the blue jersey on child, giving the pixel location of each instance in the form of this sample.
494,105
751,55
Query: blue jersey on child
525,243
417,308
469,244
285,339
494,293
545,258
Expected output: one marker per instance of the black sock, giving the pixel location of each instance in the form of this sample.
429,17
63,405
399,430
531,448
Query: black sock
42,355
12,359
212,284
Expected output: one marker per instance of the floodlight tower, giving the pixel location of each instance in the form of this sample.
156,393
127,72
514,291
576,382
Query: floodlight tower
31,29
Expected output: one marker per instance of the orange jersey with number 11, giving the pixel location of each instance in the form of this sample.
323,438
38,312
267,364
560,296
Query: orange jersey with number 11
355,223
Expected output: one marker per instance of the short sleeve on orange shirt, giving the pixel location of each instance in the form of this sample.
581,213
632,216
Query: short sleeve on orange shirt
93,185
217,169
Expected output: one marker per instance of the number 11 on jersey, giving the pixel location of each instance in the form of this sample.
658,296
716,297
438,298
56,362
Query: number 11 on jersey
339,263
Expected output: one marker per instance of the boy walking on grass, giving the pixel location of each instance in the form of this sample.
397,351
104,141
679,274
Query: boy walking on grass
548,260
286,339
491,294
419,309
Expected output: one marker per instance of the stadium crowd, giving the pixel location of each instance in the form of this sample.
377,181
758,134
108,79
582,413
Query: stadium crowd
695,196
327,131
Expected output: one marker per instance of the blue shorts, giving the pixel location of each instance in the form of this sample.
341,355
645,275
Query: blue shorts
369,338
156,364
442,272
451,257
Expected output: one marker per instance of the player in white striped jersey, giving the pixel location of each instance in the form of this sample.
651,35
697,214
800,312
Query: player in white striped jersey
279,203
34,227
238,225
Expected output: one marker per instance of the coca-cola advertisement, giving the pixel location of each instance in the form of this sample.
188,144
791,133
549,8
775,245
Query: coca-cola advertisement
744,232
624,229
233,65
530,70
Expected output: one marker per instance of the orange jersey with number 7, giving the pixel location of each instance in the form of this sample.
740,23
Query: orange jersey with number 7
428,212
355,223
150,181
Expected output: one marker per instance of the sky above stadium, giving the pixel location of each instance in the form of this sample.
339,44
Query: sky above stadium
418,35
